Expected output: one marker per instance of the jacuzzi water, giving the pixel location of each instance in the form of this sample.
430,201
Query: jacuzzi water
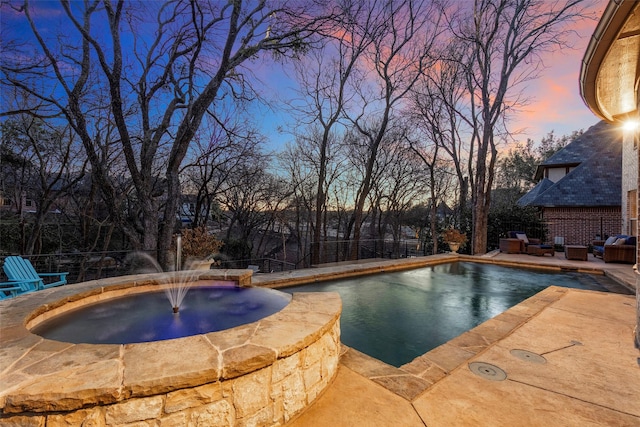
396,317
149,317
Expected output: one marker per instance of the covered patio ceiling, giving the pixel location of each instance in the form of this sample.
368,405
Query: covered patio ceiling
610,67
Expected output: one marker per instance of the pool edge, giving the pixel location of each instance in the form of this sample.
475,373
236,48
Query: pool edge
416,377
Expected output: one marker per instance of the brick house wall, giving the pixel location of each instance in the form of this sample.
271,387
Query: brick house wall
579,226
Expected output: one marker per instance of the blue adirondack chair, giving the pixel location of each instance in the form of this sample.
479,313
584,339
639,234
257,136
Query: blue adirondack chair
19,269
9,289
13,289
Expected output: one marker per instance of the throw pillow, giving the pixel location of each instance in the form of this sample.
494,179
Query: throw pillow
522,237
611,240
620,241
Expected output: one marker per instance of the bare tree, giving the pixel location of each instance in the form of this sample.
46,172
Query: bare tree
45,168
426,147
435,117
325,81
400,185
164,64
218,148
294,168
438,108
303,166
399,53
505,39
254,199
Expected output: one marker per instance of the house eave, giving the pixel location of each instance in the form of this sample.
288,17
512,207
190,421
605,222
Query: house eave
609,72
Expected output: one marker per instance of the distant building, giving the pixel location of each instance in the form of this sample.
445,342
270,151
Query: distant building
579,188
21,203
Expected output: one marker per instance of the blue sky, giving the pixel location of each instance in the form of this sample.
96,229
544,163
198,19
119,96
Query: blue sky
556,102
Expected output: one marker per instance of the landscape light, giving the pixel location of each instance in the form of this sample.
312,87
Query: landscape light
630,125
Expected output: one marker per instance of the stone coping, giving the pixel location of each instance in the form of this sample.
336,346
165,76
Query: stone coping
41,375
340,270
412,379
408,381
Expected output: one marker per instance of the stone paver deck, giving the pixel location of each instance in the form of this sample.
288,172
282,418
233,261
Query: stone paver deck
590,375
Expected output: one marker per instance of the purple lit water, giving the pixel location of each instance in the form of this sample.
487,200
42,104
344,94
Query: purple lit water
149,317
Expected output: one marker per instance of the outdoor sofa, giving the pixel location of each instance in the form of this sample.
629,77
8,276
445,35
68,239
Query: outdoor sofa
620,248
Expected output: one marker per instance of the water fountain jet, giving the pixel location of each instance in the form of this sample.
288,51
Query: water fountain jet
178,287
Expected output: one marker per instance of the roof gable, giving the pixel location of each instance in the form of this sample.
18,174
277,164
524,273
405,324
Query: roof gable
583,147
596,181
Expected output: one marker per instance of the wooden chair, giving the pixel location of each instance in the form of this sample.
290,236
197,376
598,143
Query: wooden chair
13,289
21,270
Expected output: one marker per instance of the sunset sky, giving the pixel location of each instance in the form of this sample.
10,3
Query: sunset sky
555,105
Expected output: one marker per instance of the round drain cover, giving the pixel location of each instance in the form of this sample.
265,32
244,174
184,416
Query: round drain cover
488,371
529,356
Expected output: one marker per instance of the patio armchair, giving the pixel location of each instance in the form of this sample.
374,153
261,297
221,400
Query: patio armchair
619,248
525,241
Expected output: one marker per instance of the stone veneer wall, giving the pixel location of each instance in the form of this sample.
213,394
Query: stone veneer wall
629,173
268,397
259,374
579,226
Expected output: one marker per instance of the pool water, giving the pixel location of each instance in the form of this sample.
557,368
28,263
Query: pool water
149,316
396,317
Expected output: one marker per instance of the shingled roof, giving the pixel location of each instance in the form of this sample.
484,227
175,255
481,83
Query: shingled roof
596,180
536,191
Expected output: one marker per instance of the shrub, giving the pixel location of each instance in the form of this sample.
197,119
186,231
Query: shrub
198,243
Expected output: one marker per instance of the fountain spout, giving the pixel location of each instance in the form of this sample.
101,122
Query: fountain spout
177,287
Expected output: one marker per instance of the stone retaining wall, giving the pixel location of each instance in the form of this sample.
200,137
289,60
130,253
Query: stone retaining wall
267,397
260,374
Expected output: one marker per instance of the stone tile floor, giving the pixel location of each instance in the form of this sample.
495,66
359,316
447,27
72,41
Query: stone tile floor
590,375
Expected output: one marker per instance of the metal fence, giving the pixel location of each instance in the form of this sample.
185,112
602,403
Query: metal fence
83,266
341,250
262,265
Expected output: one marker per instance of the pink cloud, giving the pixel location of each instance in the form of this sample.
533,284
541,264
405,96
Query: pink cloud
556,104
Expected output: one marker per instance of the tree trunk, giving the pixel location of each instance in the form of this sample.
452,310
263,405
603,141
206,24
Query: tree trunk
480,221
320,200
433,223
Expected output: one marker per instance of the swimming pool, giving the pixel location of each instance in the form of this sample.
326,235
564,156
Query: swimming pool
398,316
